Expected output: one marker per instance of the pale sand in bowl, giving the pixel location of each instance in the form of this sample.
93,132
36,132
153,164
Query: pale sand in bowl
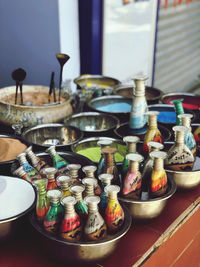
10,148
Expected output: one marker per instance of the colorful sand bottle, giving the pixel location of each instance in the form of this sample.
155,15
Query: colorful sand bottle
197,134
179,156
31,172
71,228
133,181
131,143
74,172
95,228
50,173
19,172
42,205
153,133
158,177
105,179
58,162
89,171
90,184
80,206
55,213
101,163
179,109
189,137
138,119
148,168
114,214
64,181
37,162
110,165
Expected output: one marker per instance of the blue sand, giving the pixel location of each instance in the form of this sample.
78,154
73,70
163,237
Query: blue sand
167,116
115,107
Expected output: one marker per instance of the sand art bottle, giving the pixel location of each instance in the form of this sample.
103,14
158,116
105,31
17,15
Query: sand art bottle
105,179
90,184
64,181
179,156
95,228
58,162
50,173
89,171
19,172
179,109
55,213
80,206
133,181
102,144
158,177
71,228
114,214
74,172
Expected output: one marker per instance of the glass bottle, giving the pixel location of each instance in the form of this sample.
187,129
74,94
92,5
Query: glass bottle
178,106
158,177
102,144
37,162
105,179
50,173
58,162
179,156
114,214
42,204
55,213
64,181
89,184
31,172
148,168
80,206
89,171
73,172
189,137
133,181
19,172
95,228
131,143
138,119
153,133
71,228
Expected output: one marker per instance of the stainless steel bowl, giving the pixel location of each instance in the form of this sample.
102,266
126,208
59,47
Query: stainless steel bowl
45,135
81,251
149,209
92,122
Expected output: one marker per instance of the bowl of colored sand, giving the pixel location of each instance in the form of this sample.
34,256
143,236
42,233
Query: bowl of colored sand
151,208
17,198
43,136
89,148
81,251
93,123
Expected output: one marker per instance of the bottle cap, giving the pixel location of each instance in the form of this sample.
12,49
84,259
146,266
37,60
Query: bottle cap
89,168
112,189
64,180
155,145
68,201
158,154
77,189
73,166
105,142
54,195
185,119
131,139
92,200
89,181
104,177
134,157
50,172
180,129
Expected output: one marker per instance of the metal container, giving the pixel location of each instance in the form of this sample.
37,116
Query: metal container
93,123
83,252
45,135
149,209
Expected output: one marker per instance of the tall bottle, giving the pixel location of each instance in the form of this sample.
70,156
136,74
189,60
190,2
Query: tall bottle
158,177
101,163
90,184
178,106
19,172
179,156
89,171
133,181
71,228
58,162
153,133
131,143
105,179
138,119
65,181
114,214
50,173
95,228
80,206
74,172
189,137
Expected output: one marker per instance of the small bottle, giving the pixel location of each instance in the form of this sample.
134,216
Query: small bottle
197,134
95,228
90,184
138,117
37,162
31,172
58,162
148,168
133,181
71,228
19,172
50,173
102,144
73,172
153,133
105,179
158,177
64,181
114,214
80,206
42,205
131,142
55,213
178,106
110,165
179,156
189,138
89,171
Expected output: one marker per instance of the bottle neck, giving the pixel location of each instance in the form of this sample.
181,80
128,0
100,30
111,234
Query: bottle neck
78,196
132,148
158,164
134,166
109,159
69,209
179,137
89,174
89,190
